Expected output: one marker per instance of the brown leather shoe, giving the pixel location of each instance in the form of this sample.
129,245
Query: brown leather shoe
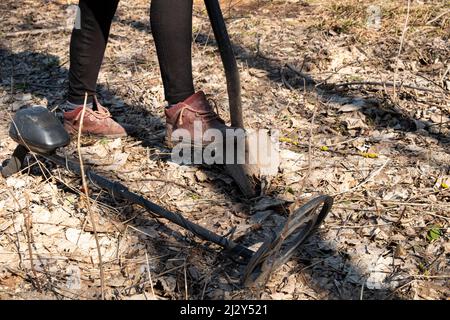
183,115
96,122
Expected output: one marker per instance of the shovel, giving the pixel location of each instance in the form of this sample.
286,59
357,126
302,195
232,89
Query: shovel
261,152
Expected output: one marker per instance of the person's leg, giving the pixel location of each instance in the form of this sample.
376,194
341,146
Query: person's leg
171,23
87,47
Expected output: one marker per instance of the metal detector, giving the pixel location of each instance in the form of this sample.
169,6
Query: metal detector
37,130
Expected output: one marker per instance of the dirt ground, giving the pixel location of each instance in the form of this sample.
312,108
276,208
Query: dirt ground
360,92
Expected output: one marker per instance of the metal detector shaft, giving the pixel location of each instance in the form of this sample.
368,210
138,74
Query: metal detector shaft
228,60
118,190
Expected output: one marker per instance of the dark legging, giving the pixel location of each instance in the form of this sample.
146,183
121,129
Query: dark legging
171,23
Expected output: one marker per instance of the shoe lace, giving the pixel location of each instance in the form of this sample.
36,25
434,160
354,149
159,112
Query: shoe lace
207,115
101,112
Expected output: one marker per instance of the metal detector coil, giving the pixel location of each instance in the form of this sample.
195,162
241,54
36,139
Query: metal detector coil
275,252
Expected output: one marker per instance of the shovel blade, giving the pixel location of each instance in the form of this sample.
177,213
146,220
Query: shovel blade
261,161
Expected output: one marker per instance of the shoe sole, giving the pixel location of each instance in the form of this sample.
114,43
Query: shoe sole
72,131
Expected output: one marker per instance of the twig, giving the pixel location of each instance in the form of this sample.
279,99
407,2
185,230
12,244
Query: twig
383,84
172,182
399,288
305,77
311,134
204,287
284,80
27,220
316,263
150,276
14,226
342,142
360,226
445,73
438,17
437,215
368,179
430,81
185,282
405,27
35,31
140,231
259,53
419,204
361,295
444,276
88,199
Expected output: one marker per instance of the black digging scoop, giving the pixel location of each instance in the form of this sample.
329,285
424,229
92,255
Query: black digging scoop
34,129
37,129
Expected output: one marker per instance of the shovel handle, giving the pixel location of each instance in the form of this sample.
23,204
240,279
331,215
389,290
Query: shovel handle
228,60
15,162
